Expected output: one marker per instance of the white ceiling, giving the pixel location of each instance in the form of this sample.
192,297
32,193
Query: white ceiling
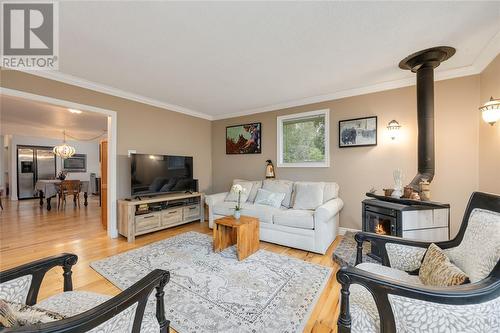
25,116
220,59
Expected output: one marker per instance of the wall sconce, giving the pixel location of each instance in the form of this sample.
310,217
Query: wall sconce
393,127
491,111
270,169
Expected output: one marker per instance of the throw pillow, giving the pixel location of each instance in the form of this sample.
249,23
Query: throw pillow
437,270
308,195
268,198
256,184
233,195
17,315
282,186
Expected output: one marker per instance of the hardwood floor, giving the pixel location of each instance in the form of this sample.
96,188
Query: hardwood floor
28,232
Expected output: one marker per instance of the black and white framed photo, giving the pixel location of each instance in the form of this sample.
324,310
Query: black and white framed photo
358,132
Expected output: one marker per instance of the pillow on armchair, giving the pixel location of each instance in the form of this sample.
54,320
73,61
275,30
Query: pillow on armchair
17,315
437,270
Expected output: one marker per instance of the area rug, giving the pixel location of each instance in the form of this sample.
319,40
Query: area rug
214,292
345,253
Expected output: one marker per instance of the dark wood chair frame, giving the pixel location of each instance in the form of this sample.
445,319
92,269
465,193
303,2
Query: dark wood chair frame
380,287
85,321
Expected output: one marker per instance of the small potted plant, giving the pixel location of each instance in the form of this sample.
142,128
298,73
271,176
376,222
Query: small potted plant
237,188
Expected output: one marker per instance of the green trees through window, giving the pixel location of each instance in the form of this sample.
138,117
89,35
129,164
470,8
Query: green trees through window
304,139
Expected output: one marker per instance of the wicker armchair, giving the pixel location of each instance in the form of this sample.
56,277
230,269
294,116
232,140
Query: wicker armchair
390,297
129,311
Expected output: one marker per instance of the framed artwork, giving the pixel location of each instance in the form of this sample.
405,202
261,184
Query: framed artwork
358,132
244,139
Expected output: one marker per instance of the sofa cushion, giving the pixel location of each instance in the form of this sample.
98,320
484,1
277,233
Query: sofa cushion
225,208
262,212
268,198
437,270
308,195
330,191
283,186
256,184
296,218
232,195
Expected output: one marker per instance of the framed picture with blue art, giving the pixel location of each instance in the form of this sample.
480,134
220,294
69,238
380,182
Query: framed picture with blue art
244,139
358,132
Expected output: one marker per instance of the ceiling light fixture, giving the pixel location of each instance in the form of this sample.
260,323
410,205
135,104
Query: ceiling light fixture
491,111
64,150
74,111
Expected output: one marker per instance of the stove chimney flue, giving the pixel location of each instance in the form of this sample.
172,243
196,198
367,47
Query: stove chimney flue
423,63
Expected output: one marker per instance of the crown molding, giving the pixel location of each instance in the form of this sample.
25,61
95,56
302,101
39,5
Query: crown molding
105,89
378,87
485,57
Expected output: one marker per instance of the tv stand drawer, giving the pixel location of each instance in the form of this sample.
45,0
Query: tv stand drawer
147,221
171,216
192,211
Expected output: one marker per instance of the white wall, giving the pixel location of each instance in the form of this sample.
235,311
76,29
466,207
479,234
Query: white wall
90,148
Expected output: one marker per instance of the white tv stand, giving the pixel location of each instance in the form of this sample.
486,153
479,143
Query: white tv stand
163,212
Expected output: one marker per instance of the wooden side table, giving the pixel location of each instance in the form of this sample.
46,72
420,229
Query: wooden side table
243,232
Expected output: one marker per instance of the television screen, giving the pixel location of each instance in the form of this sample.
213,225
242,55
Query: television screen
154,174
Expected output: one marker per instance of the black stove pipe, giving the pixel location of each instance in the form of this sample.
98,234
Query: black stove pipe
423,63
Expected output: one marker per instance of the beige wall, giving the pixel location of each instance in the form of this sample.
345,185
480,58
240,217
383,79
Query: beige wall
141,127
489,136
358,169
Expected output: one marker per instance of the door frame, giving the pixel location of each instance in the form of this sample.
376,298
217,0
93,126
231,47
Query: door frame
112,144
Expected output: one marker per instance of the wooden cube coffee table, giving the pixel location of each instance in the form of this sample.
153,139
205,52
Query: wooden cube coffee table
243,232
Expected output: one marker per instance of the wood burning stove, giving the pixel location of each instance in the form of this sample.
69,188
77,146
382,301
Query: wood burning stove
428,221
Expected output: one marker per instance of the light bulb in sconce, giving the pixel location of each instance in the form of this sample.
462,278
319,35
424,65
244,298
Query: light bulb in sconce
393,128
491,111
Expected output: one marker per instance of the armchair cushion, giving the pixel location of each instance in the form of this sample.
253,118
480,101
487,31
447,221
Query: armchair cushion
414,315
479,250
404,257
437,270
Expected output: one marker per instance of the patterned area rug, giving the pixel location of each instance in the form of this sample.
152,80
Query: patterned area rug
345,253
214,292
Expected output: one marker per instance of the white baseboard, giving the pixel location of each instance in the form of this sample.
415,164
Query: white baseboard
343,230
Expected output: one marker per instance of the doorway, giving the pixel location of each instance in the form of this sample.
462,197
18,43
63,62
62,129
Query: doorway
110,158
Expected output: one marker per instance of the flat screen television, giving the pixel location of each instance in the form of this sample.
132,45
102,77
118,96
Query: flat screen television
159,174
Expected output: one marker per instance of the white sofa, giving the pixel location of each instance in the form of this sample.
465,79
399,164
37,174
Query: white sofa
307,229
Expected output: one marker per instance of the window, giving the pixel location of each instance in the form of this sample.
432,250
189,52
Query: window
303,140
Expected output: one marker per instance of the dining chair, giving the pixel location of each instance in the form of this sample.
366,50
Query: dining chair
69,187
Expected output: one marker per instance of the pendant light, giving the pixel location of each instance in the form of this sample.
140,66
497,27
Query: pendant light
64,150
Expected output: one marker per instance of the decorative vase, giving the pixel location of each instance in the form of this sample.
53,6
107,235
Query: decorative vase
237,214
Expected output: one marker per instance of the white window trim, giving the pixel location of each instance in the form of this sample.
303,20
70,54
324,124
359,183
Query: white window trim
280,119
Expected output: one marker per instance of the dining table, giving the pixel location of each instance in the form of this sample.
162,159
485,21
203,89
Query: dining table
48,188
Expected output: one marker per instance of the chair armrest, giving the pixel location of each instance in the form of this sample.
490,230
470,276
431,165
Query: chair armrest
328,210
213,199
138,293
380,287
37,270
381,240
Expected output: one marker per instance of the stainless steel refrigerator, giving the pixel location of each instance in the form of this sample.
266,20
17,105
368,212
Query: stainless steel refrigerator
33,163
